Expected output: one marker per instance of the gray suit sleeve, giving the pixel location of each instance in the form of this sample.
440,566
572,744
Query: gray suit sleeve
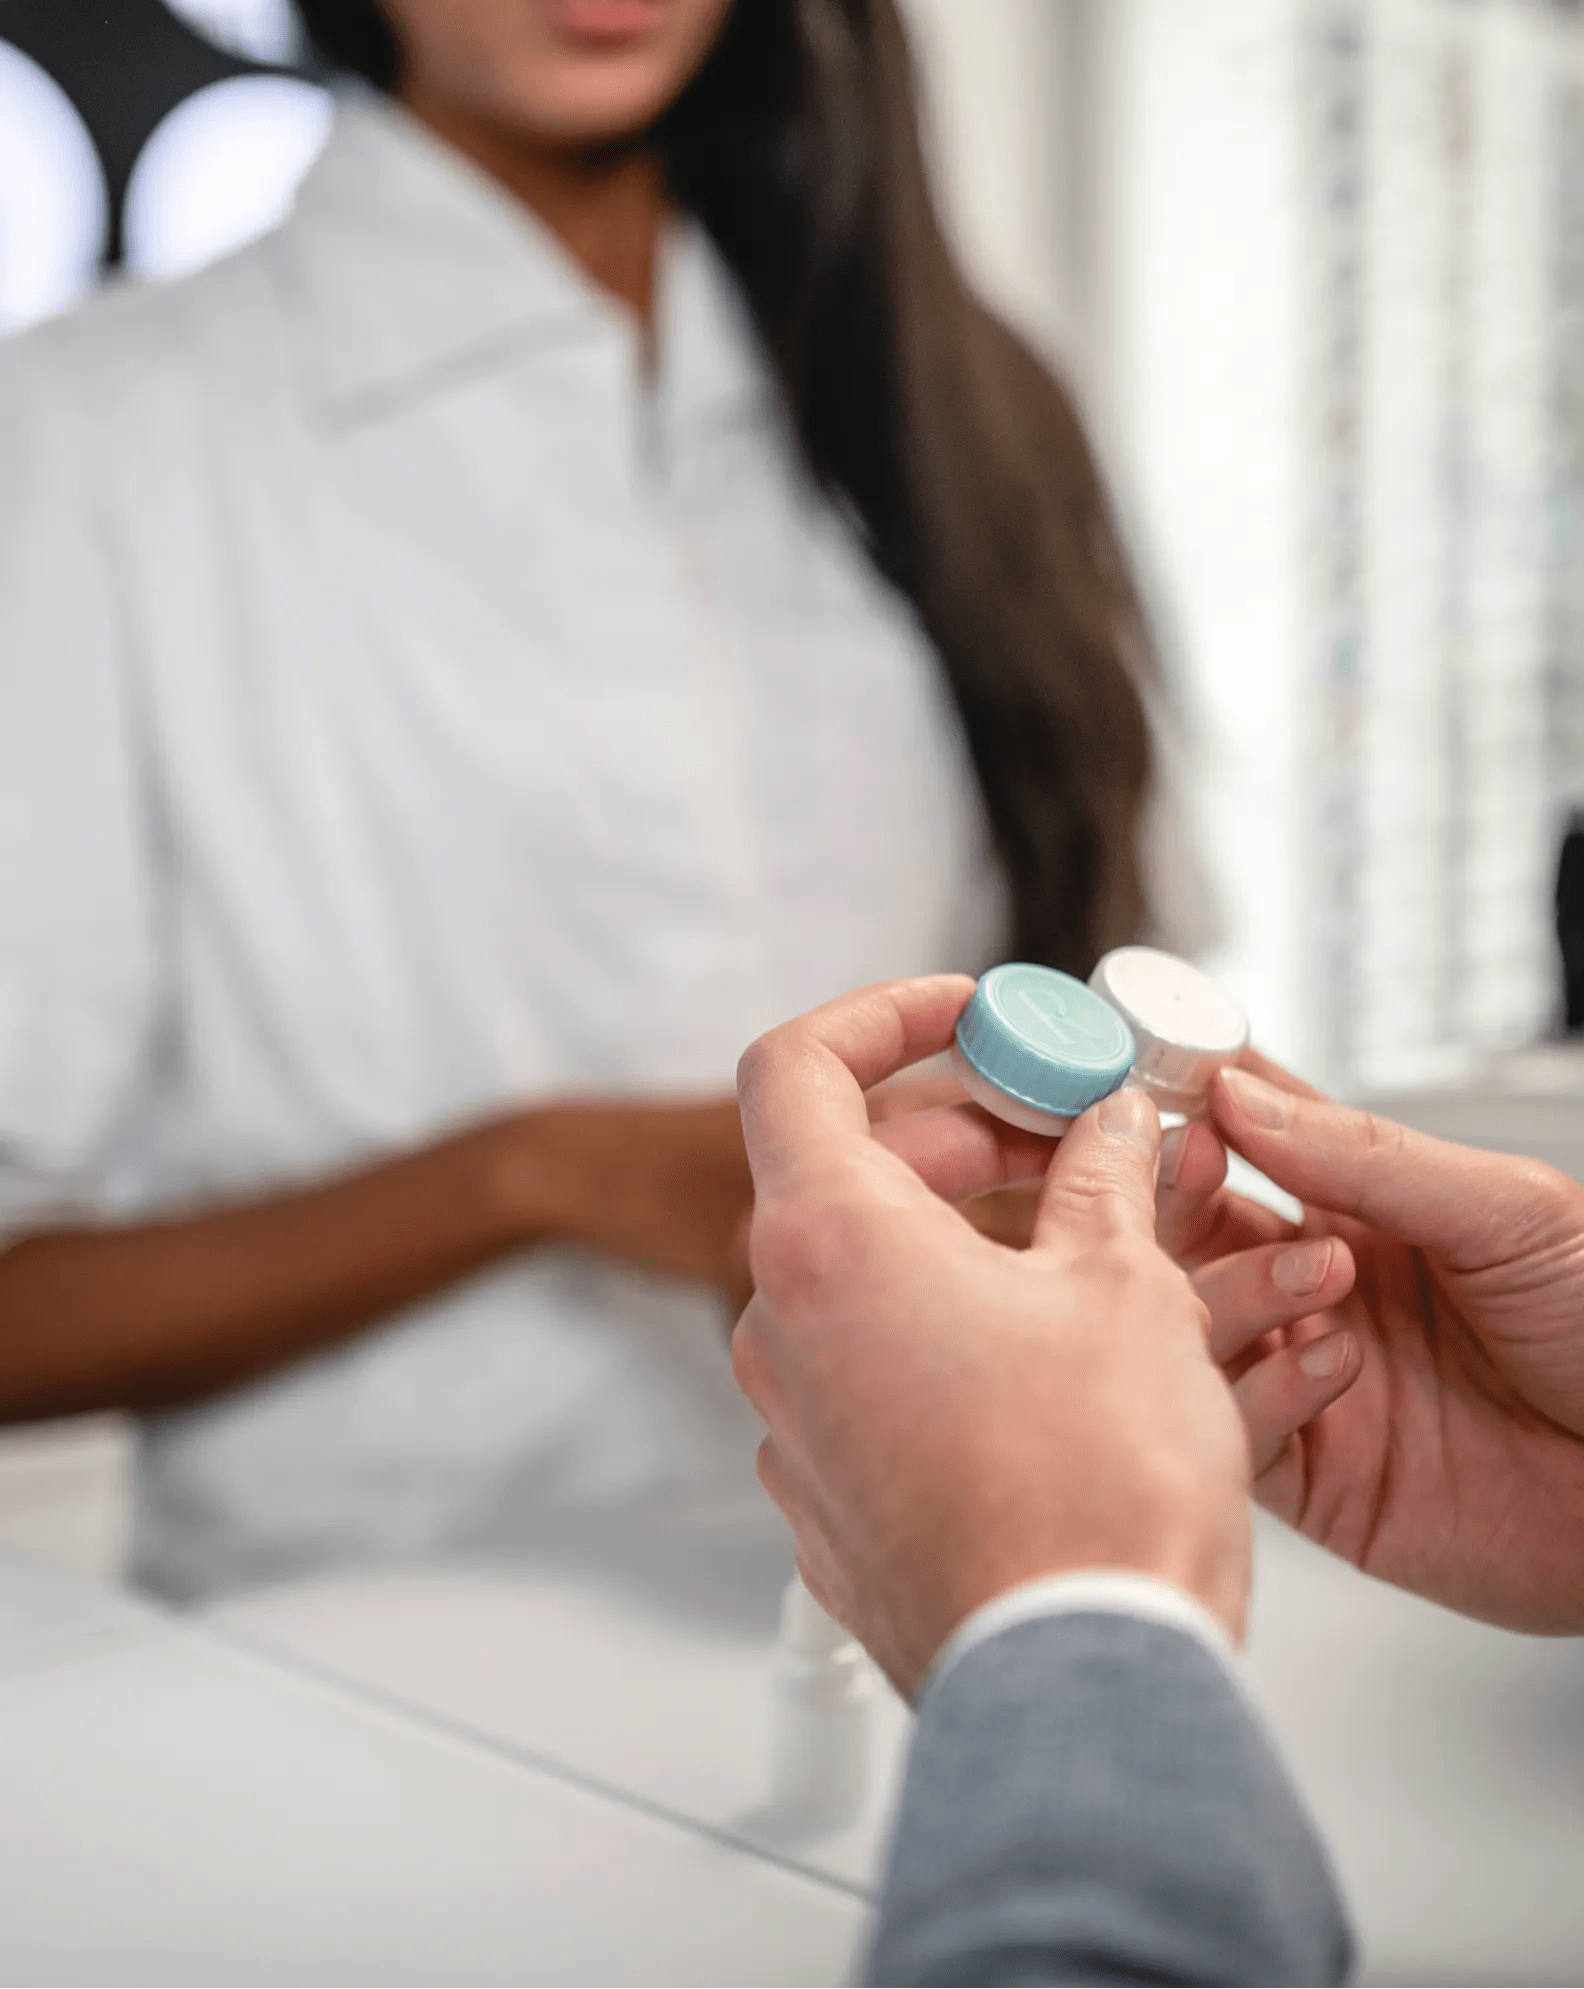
1090,1800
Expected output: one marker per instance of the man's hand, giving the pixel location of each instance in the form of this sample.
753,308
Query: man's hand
1447,1319
949,1418
1006,1213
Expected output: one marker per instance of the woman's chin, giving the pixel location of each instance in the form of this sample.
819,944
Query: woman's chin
586,102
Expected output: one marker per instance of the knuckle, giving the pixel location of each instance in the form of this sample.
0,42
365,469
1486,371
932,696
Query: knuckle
1145,1287
747,1358
751,1064
1538,1200
767,1469
1544,1187
1166,1296
1092,1203
1382,1140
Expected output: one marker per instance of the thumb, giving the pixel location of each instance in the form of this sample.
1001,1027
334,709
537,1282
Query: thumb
1103,1175
1470,1207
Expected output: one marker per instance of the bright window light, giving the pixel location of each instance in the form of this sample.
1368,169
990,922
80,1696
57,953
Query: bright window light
52,196
260,30
221,169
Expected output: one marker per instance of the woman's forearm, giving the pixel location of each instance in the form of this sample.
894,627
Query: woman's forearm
169,1312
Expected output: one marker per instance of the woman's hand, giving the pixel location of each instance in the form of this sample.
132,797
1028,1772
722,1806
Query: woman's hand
663,1186
1424,1418
667,1186
160,1314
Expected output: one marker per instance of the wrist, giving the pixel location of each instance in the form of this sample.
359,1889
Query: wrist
1205,1561
533,1181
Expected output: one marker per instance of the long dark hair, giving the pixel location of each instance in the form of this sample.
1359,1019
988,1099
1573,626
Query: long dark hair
960,456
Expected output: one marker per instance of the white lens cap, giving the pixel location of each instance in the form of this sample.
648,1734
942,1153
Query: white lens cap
1183,1024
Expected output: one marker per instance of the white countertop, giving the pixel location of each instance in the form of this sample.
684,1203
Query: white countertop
559,1772
635,1649
175,1808
1444,1760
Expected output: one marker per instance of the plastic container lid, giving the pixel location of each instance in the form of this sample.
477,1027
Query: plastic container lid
1185,1027
1044,1039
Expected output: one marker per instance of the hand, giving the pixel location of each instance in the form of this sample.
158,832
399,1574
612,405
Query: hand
662,1186
1259,1275
1194,1223
1452,1462
1005,1214
948,1418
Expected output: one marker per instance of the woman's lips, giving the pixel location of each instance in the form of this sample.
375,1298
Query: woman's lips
605,22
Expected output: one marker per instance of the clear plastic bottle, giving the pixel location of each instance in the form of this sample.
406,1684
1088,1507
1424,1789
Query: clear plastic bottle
821,1717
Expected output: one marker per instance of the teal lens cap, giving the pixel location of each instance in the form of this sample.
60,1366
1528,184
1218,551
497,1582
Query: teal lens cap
1045,1039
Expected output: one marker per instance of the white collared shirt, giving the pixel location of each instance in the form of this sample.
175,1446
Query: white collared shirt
1087,1592
405,714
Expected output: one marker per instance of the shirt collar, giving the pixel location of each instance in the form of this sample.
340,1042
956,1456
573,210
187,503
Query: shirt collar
417,269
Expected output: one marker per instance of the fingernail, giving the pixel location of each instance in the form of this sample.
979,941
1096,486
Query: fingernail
1171,1155
1128,1115
1302,1269
1323,1360
1260,1103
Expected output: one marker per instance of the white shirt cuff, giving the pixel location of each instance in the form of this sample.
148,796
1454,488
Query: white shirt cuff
1092,1591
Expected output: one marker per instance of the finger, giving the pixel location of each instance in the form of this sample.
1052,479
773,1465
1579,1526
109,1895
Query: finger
737,1286
961,1150
775,1475
1289,1388
1103,1175
900,1095
1250,1293
754,1367
1229,1222
801,1087
787,1490
789,1486
1469,1207
790,1491
820,1571
1192,1167
1260,1065
1196,1216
